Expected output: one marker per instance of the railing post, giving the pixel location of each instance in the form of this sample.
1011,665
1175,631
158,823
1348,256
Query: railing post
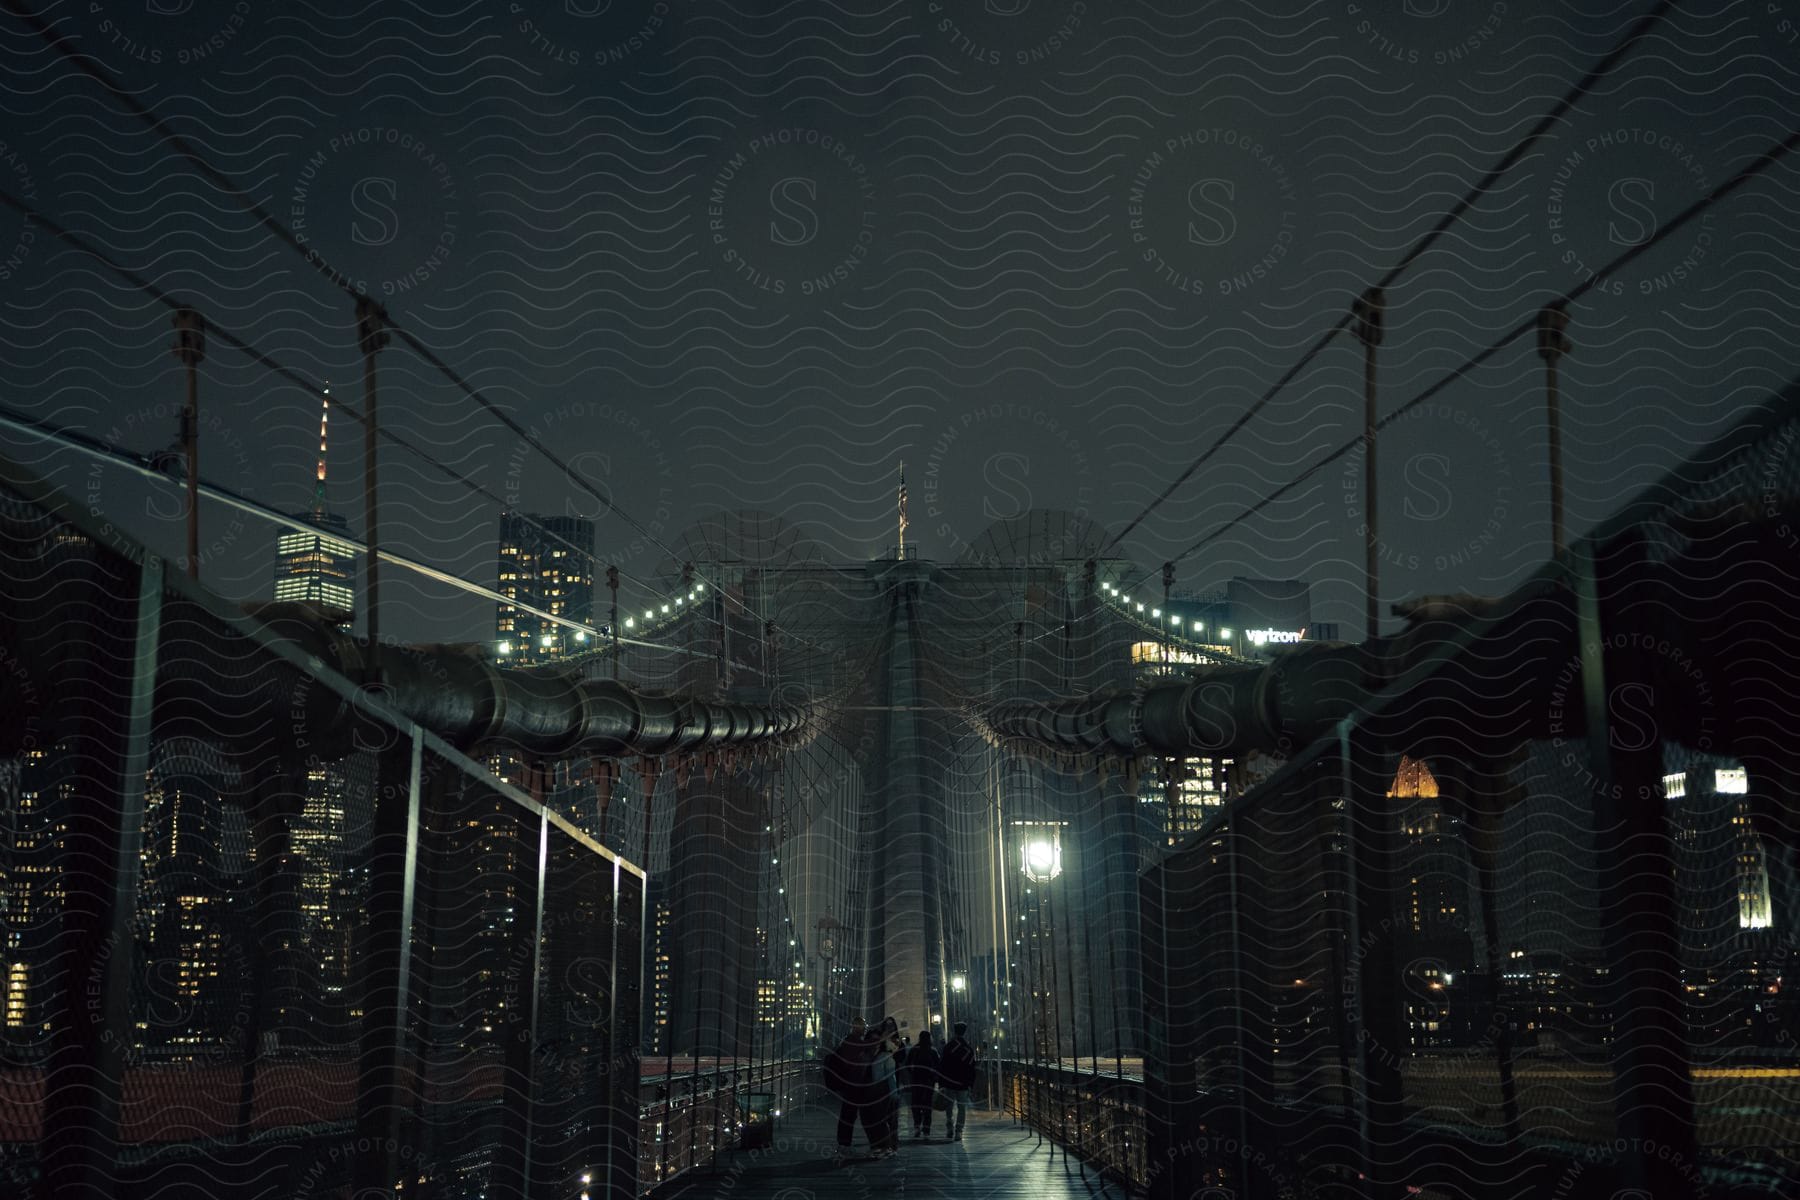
105,744
1552,344
1369,313
1253,917
276,802
1379,1018
190,348
1484,793
1171,1026
386,1072
1653,1089
1072,1079
371,337
1003,954
612,585
622,1080
515,1159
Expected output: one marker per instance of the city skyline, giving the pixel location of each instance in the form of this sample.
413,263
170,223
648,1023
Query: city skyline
557,556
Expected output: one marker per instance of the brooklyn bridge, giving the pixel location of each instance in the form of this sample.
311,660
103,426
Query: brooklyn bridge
410,787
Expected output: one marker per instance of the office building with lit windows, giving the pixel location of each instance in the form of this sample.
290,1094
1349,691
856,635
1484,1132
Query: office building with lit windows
30,894
546,563
660,980
1722,866
1734,905
317,565
1248,618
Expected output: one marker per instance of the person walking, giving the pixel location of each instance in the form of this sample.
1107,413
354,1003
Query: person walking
849,1076
885,1135
921,1083
956,1068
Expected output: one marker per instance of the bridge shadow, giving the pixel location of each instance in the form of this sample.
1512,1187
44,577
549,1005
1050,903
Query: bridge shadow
996,1160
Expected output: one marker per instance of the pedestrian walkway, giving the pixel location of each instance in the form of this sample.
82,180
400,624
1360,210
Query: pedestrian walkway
996,1160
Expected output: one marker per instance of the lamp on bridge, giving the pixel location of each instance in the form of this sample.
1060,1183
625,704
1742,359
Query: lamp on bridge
1040,849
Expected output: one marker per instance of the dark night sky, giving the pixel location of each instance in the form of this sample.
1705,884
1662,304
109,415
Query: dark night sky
1065,245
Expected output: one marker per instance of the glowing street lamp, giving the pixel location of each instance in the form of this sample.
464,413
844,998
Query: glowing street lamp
1040,849
959,983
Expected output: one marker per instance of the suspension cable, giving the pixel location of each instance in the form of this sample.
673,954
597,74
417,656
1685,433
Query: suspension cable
187,151
1750,170
1639,29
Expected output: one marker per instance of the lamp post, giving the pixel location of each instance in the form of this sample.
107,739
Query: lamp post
1040,861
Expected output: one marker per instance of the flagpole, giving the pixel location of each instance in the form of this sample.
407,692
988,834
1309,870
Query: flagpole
902,510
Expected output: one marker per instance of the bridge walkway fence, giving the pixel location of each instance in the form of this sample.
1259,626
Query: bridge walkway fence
266,937
1525,926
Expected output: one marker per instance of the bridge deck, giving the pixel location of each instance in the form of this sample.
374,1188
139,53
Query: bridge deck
996,1160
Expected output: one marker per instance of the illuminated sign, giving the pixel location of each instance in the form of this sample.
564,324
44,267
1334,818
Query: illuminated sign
1266,637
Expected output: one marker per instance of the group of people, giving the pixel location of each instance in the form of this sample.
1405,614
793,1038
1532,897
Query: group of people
873,1071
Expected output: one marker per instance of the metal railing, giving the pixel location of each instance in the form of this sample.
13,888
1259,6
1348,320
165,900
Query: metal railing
1524,926
1098,1116
689,1119
263,936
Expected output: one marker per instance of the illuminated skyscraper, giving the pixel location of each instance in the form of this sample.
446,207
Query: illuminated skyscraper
318,568
30,893
546,564
661,979
1722,867
192,922
1433,927
330,887
1180,795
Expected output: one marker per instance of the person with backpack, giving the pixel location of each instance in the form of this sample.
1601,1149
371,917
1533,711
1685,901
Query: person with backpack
956,1069
920,1083
849,1076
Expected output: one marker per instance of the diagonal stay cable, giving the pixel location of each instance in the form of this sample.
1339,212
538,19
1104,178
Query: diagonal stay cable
1750,170
311,387
1638,30
188,152
181,145
145,466
531,439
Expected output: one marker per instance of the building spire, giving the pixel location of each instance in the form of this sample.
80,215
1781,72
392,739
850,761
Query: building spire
902,510
318,499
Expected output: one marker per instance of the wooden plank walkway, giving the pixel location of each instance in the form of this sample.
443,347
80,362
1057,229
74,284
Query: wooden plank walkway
996,1160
